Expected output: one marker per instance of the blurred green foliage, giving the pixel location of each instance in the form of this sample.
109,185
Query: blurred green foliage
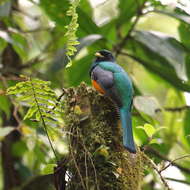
150,40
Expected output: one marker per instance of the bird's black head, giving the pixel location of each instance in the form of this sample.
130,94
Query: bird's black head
104,55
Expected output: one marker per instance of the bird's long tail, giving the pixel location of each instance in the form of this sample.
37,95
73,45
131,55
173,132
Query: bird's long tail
126,123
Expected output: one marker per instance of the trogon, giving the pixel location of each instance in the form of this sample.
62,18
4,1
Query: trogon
111,80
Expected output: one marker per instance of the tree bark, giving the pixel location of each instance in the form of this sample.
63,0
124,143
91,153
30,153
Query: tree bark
11,177
10,64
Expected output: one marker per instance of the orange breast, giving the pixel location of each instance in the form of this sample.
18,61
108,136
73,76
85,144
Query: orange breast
97,87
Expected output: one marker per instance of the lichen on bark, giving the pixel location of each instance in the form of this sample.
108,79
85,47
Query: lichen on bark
97,159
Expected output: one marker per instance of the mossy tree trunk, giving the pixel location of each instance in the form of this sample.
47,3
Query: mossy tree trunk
97,159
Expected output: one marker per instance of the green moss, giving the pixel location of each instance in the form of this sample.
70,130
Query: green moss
97,158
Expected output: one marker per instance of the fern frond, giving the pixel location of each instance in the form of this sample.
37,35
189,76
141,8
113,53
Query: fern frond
38,95
42,101
71,31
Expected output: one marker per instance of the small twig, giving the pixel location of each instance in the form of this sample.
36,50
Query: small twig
173,109
36,30
16,30
163,157
177,109
76,166
33,61
178,180
35,3
12,77
162,178
86,168
167,109
15,114
15,107
171,162
154,166
91,160
71,132
101,4
138,4
26,13
124,40
60,171
58,100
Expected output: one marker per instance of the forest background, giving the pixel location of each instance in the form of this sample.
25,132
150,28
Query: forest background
41,41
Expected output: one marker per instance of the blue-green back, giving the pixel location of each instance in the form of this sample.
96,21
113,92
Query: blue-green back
121,80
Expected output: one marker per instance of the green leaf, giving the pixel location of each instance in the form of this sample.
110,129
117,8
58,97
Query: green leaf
5,131
5,8
166,47
17,40
41,98
86,24
181,17
19,148
3,44
38,116
5,105
88,40
159,129
32,110
149,129
85,5
20,44
56,11
61,59
109,32
146,104
184,30
80,69
188,66
5,36
26,97
72,27
186,126
49,169
153,141
128,9
139,133
155,63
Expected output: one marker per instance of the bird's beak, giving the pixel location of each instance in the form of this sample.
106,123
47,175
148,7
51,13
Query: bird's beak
97,54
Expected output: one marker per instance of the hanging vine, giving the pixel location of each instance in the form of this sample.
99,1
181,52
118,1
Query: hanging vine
72,41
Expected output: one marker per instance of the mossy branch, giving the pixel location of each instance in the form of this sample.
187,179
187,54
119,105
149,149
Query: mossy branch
97,158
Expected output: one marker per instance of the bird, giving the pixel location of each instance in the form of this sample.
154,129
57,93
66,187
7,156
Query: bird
111,80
